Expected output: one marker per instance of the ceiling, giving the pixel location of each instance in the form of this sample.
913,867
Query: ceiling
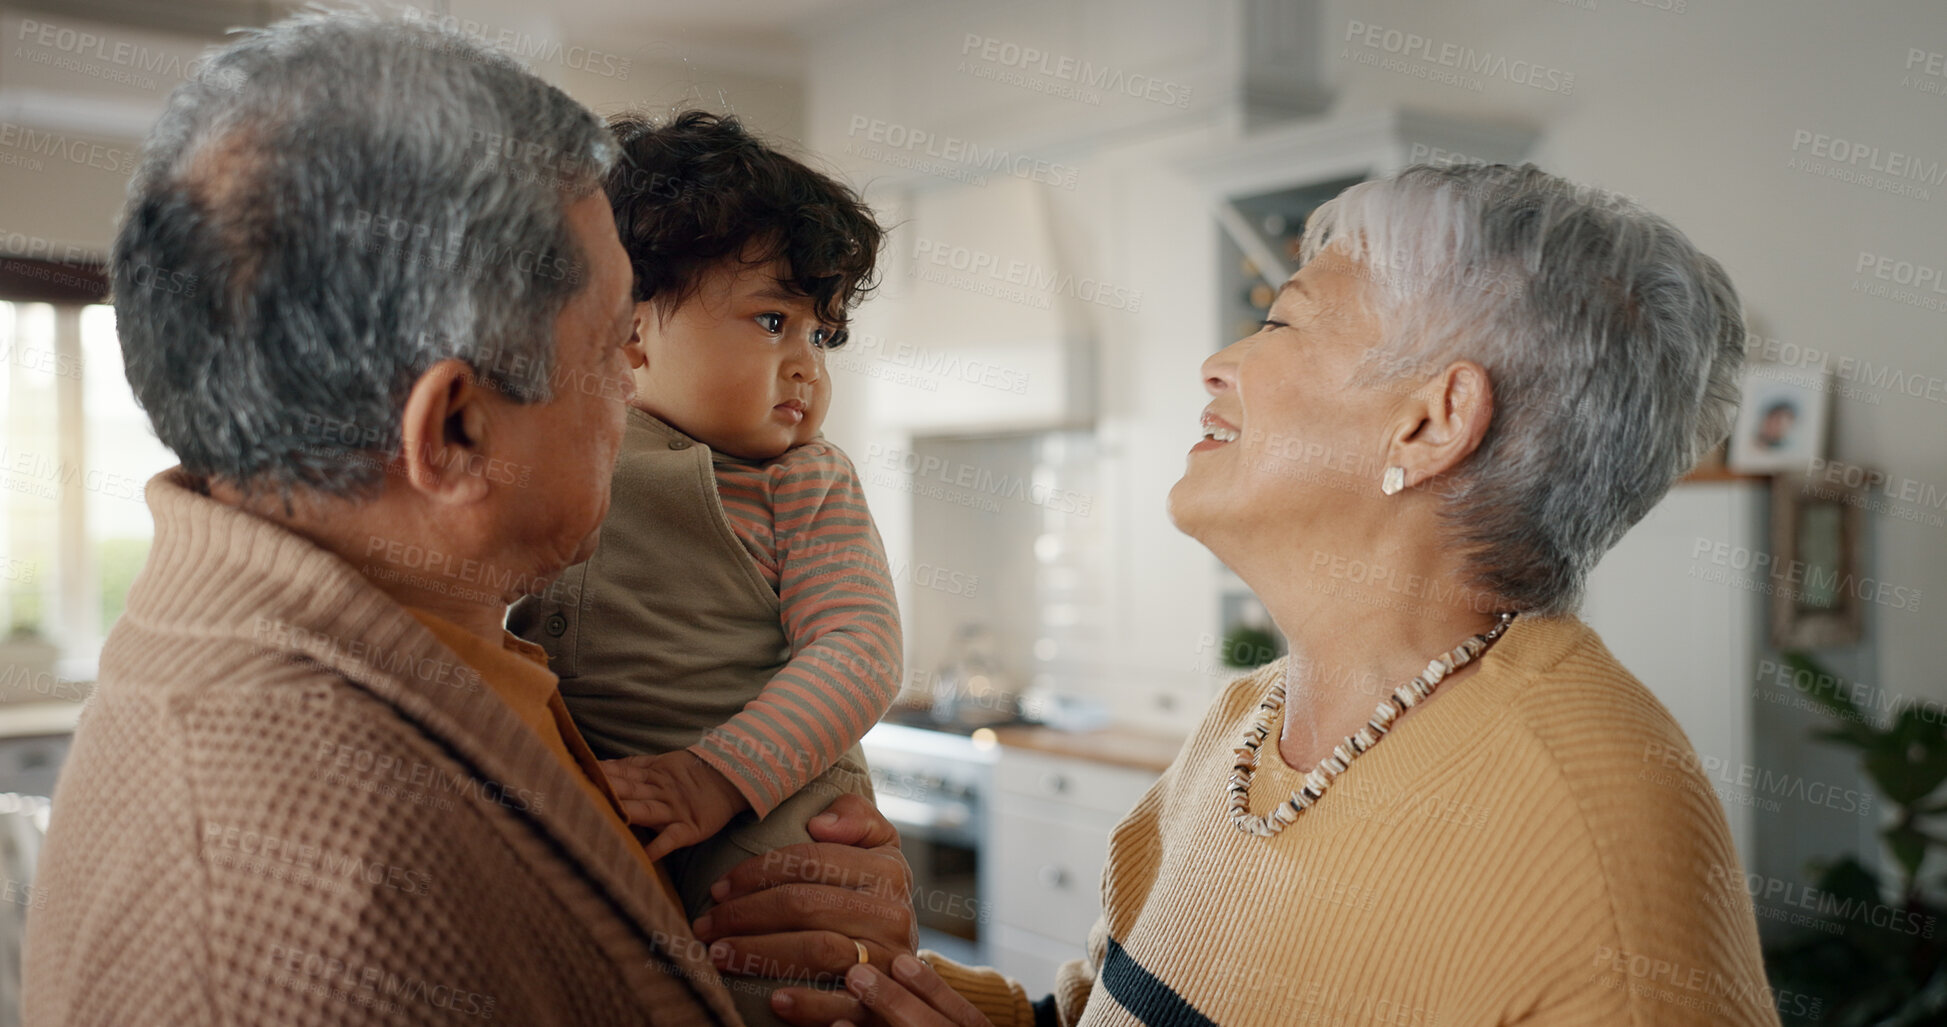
183,17
764,24
727,18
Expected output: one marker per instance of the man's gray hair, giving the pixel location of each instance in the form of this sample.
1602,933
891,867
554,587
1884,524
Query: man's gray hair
331,206
1612,344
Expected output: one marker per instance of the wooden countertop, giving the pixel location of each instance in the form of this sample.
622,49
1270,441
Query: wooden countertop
1116,746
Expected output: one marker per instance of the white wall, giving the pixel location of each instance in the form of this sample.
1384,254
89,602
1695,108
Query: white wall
1694,113
907,69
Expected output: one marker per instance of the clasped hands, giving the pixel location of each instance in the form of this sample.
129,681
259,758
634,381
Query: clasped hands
804,905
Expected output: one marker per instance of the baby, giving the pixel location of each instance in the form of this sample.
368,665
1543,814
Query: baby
735,632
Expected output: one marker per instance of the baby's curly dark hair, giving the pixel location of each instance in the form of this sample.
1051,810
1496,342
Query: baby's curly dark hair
699,189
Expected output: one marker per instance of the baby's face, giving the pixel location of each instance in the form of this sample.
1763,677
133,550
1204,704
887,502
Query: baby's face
740,367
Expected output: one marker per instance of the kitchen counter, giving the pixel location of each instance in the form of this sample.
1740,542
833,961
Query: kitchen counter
1116,746
34,719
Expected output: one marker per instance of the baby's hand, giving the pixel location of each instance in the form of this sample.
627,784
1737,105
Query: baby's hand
684,799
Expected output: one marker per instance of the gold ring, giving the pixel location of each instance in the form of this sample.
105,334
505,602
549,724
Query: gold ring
864,957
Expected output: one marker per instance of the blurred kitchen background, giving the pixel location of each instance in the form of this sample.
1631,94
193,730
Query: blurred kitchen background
1088,197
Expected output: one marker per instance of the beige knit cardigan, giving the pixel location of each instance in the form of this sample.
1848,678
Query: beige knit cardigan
288,803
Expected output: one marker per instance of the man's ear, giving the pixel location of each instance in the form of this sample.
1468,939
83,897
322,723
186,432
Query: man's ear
1446,418
444,434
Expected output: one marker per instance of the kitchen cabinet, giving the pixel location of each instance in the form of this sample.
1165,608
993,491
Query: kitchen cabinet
29,764
34,738
1048,840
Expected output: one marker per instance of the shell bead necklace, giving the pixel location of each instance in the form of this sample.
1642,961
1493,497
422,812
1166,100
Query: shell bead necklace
1405,697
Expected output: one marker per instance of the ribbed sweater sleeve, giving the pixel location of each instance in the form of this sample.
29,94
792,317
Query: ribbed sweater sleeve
998,998
1002,999
804,518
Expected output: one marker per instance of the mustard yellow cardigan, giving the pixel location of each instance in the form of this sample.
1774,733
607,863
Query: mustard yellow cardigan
1535,846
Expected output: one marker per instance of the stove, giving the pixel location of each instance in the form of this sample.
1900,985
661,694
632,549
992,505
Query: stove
936,787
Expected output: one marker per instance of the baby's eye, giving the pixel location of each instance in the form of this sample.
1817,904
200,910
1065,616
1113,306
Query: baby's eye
772,323
829,338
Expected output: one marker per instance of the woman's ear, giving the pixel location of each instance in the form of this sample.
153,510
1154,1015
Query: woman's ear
444,434
1447,420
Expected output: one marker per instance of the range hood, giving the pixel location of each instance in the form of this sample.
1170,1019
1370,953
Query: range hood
989,317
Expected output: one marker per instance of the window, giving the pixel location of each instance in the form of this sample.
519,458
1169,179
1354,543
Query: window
75,456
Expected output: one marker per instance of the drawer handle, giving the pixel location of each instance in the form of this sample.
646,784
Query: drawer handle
1053,876
1056,783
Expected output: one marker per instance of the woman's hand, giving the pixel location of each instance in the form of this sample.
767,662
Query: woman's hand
914,996
796,911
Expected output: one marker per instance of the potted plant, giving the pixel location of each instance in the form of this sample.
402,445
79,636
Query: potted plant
1885,976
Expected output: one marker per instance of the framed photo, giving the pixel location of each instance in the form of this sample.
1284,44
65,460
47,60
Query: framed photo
1815,553
1780,420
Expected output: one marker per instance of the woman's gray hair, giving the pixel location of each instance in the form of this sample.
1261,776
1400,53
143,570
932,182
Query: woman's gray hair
1612,344
329,207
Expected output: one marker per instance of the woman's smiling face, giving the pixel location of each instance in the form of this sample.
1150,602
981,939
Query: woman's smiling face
1289,440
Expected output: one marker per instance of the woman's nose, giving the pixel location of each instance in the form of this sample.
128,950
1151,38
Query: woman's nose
1220,369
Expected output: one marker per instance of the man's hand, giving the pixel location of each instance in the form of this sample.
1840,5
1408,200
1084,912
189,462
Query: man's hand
683,799
808,907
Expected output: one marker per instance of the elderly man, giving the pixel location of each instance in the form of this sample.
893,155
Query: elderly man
319,783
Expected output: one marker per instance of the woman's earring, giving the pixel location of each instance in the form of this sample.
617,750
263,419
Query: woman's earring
1394,480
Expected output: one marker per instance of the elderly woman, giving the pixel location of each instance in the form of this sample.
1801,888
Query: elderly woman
370,293
1435,811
